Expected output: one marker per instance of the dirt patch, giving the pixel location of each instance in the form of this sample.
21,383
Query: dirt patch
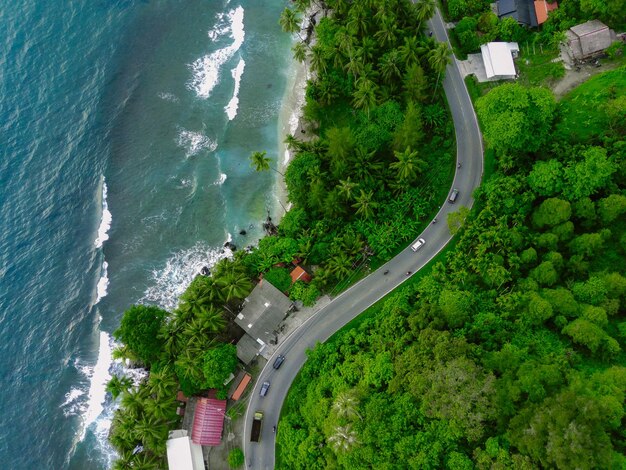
574,77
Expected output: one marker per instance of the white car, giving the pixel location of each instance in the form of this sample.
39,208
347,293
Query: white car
418,244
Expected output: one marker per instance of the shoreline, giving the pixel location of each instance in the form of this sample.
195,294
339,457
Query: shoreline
289,122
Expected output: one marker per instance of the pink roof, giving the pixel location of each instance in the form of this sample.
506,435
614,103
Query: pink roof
208,422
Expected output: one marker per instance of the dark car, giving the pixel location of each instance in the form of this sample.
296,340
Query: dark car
264,388
279,361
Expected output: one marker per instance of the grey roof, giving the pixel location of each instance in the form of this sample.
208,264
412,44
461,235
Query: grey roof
264,309
588,27
247,349
522,11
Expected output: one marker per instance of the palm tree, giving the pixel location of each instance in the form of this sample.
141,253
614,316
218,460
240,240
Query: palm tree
163,408
408,50
144,461
235,286
299,51
317,59
343,439
408,166
212,319
390,66
339,265
133,402
162,383
365,95
425,9
388,31
346,404
354,65
117,385
367,49
123,352
346,188
439,58
290,22
260,162
365,205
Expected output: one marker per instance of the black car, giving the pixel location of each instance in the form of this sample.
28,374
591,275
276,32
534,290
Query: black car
278,362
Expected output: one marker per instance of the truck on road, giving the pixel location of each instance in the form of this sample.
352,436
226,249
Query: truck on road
255,436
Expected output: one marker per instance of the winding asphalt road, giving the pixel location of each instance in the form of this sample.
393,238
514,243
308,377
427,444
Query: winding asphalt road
355,300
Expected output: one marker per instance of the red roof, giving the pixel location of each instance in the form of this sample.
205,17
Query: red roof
299,274
542,8
180,396
241,387
208,422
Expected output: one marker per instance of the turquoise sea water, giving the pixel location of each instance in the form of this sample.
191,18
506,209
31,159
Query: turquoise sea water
125,132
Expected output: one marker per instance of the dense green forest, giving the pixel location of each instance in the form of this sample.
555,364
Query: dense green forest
510,353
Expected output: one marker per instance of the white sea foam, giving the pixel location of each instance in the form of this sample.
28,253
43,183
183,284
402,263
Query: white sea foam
72,405
206,70
221,179
100,375
233,104
168,97
105,221
171,280
194,142
103,283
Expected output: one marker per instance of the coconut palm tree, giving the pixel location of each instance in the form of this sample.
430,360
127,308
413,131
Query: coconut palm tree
317,60
424,9
346,188
408,166
133,402
299,50
162,383
365,204
438,59
260,162
389,66
212,319
365,95
388,32
339,265
163,408
117,385
346,405
290,22
145,461
409,50
344,438
235,286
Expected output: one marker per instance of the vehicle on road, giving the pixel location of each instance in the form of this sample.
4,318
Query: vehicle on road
418,244
279,361
453,195
255,435
264,388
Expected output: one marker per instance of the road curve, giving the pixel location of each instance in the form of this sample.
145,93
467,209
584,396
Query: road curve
369,290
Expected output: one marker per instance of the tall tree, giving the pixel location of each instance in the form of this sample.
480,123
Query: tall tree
260,162
425,9
408,166
438,59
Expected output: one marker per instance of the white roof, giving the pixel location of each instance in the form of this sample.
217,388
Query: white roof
498,58
182,454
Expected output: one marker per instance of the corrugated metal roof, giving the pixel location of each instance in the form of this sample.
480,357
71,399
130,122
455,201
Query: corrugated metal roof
208,422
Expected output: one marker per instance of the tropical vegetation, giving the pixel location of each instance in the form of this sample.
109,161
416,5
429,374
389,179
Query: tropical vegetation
510,352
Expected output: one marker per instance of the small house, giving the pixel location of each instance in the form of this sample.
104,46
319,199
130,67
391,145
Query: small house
299,274
587,39
522,11
498,59
183,453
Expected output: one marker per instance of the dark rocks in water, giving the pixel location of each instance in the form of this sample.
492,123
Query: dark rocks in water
230,245
242,232
250,227
205,271
269,85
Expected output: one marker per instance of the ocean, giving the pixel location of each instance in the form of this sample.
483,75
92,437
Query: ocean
125,133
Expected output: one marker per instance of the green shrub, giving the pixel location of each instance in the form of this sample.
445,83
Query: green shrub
279,278
235,458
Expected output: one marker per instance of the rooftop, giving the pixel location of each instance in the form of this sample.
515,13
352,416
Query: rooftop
263,311
299,274
542,8
589,27
498,58
208,422
182,454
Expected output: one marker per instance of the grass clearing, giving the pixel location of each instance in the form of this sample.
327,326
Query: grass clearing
536,66
582,114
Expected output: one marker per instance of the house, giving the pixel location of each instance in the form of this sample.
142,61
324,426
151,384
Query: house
587,39
241,387
299,274
522,11
264,309
183,453
498,59
542,8
208,422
